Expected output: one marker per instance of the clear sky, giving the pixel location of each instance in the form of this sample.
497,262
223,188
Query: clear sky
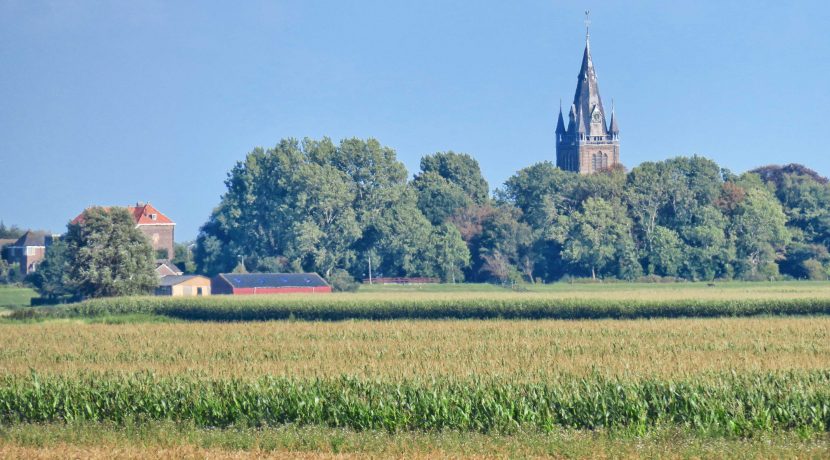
113,102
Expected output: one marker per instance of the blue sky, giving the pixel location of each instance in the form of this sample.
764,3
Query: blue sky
114,102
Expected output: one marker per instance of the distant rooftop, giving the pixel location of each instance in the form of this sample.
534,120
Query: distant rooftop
264,280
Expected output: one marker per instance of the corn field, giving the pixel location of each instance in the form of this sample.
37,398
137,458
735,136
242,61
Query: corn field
723,363
526,350
735,404
385,307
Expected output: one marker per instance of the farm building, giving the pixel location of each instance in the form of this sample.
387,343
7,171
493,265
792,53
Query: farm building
167,268
183,286
268,283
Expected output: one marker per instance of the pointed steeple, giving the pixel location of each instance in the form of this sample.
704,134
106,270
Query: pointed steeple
613,128
560,124
589,144
587,99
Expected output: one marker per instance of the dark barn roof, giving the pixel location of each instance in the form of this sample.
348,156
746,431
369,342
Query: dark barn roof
273,280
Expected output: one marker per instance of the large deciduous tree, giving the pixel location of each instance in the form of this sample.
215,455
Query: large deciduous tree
317,206
598,234
108,255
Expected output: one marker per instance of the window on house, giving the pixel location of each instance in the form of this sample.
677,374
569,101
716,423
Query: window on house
31,250
153,216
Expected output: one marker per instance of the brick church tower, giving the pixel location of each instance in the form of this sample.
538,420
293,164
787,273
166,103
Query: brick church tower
588,144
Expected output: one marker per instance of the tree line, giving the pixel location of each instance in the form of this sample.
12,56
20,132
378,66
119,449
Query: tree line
314,205
339,209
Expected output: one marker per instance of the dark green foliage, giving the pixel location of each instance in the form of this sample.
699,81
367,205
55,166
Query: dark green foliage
224,308
317,206
438,198
5,271
460,170
805,198
108,256
342,281
52,278
184,258
725,403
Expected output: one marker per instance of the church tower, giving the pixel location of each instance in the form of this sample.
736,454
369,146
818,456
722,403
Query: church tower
588,144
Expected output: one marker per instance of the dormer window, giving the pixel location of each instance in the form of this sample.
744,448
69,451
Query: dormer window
153,216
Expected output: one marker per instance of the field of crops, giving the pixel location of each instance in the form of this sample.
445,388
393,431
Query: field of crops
527,351
728,374
617,301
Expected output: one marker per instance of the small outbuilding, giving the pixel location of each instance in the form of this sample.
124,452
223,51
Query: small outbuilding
184,286
167,268
269,283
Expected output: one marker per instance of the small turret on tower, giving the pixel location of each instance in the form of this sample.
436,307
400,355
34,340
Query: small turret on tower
560,125
613,128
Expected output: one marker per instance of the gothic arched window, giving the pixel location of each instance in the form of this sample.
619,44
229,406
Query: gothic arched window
599,161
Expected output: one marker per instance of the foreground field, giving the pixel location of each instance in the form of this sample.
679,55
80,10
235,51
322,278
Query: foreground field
169,440
136,377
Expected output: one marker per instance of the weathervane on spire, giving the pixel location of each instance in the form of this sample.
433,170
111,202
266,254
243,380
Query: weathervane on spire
587,24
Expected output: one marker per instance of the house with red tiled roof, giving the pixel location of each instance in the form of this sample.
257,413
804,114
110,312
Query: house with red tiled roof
158,228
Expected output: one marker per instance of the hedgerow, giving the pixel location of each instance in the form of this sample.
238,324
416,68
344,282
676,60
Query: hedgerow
330,308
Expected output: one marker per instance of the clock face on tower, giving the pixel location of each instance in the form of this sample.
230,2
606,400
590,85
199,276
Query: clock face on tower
596,117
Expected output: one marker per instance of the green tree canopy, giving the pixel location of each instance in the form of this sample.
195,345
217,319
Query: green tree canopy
461,170
317,206
108,256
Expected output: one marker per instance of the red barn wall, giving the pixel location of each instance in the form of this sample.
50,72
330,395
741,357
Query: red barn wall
284,290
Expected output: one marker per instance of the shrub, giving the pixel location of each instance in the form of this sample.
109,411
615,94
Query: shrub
342,281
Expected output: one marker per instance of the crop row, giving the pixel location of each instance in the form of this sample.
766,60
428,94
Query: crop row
333,308
733,404
527,350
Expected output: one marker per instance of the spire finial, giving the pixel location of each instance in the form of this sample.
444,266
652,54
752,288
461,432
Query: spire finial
587,24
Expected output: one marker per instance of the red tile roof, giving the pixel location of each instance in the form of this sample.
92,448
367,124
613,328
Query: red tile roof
147,214
142,215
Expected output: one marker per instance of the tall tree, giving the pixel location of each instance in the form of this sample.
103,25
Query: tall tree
451,254
597,235
109,255
317,206
52,278
760,232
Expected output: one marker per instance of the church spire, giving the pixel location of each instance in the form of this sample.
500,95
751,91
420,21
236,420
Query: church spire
588,144
587,99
